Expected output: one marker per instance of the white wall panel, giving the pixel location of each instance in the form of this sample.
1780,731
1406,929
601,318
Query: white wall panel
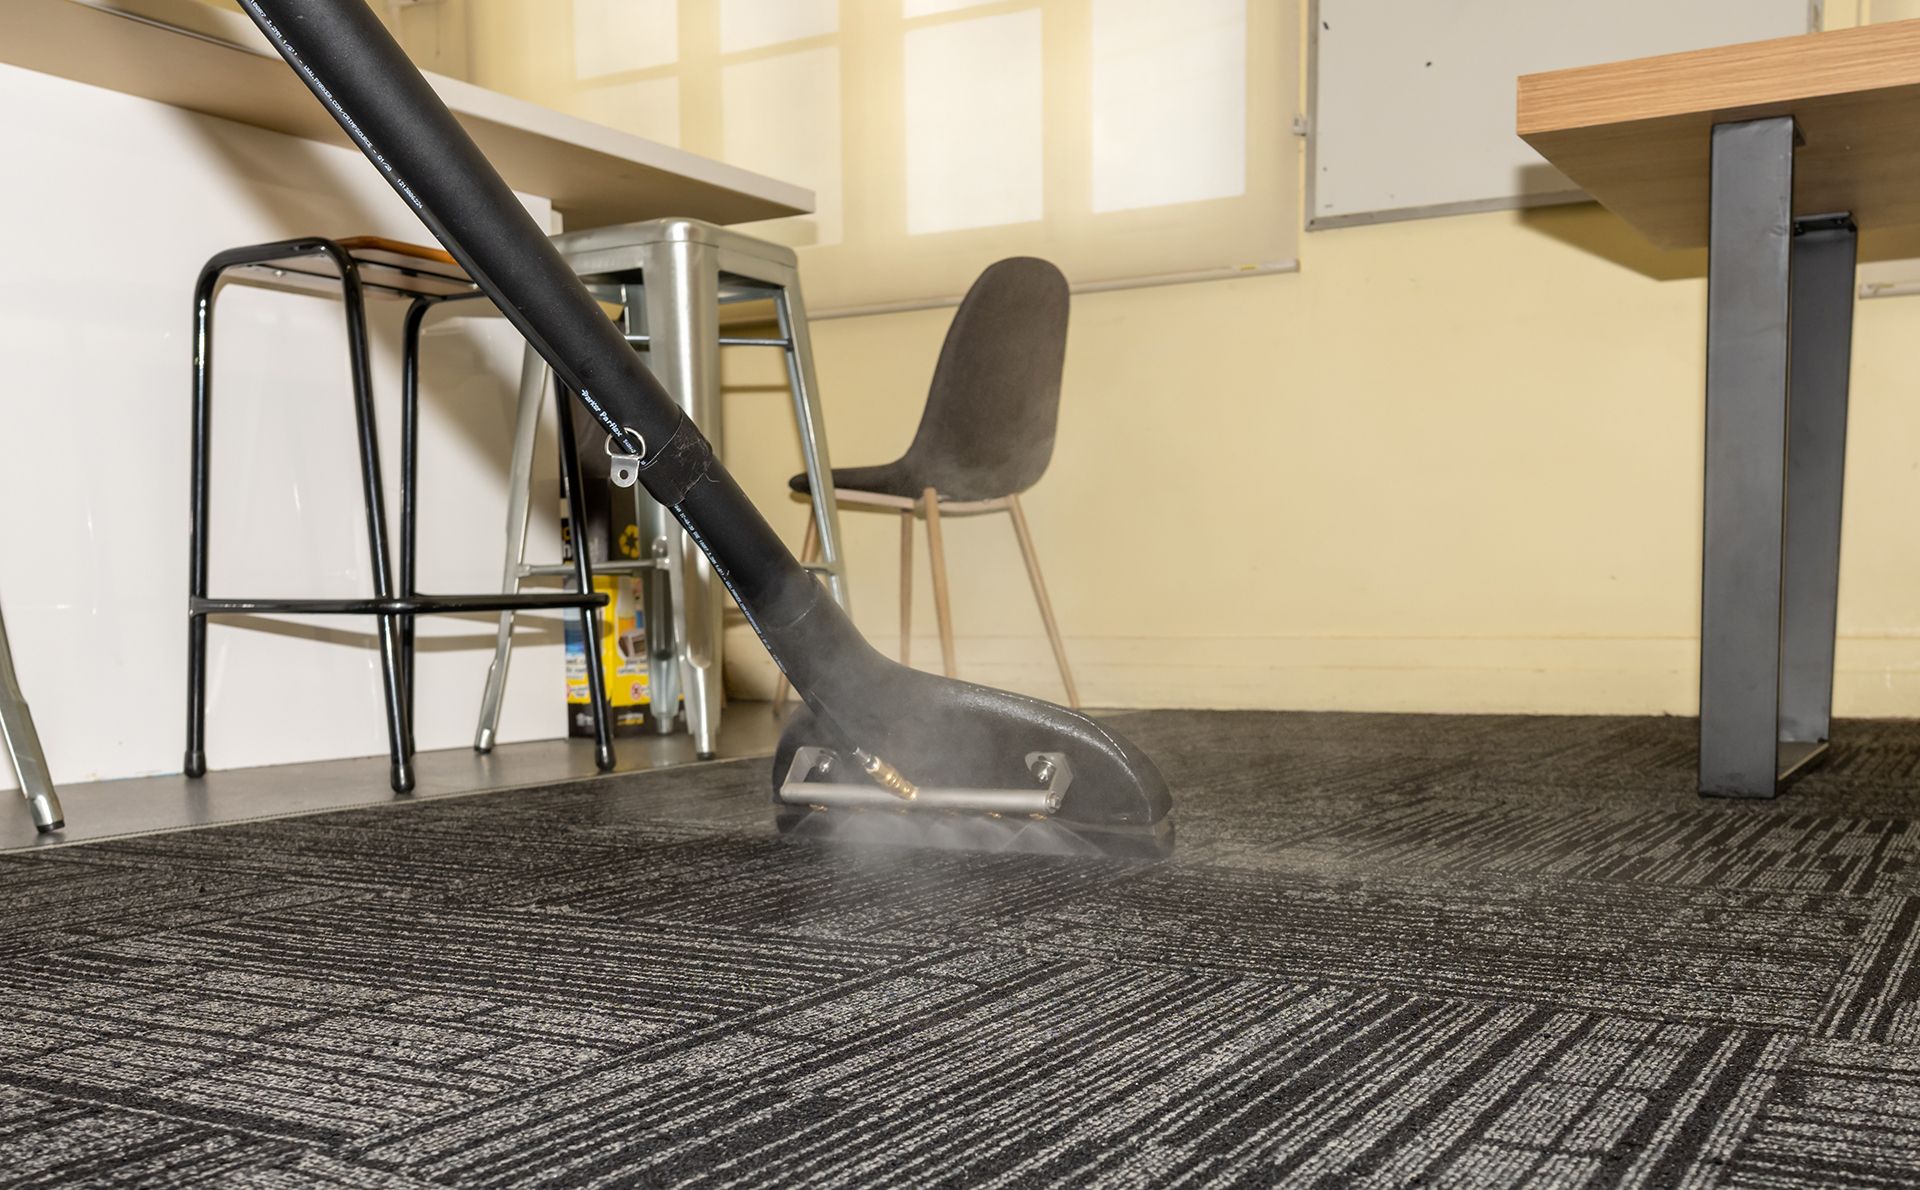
108,207
1412,100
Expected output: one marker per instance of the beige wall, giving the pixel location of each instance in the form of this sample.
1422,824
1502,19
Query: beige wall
1452,464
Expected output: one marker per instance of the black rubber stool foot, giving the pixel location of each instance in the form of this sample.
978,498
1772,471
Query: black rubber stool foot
56,824
401,778
706,755
195,764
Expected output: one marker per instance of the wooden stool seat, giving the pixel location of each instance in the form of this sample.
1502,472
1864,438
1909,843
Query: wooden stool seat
388,268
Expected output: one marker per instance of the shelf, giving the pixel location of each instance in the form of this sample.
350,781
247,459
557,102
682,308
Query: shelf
215,62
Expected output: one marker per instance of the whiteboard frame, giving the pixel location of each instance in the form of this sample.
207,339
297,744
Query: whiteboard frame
1816,18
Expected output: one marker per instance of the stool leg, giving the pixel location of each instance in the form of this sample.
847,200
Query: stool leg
663,639
195,761
906,586
942,609
526,432
790,309
683,331
809,550
583,574
1027,551
398,731
409,491
23,745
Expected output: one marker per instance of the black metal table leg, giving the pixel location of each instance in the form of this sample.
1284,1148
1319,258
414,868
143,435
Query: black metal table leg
1818,366
1778,333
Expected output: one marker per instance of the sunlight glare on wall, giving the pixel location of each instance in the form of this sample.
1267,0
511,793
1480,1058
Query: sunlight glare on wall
926,8
750,24
1169,102
781,116
973,123
644,107
614,36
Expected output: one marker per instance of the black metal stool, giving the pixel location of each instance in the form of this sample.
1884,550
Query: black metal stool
429,277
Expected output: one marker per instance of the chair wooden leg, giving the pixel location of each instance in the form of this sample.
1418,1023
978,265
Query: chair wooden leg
930,504
1021,531
810,542
906,586
809,551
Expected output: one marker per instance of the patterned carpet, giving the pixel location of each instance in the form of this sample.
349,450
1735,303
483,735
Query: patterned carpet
1390,950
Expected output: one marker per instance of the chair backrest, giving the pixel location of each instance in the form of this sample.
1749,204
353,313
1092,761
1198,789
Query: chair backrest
988,428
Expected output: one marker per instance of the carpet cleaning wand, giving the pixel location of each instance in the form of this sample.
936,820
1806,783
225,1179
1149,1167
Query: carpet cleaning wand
968,744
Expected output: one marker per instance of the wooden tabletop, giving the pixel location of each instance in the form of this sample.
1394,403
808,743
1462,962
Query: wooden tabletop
215,62
1637,135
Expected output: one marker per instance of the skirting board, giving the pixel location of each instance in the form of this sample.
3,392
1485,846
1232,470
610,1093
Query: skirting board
1877,676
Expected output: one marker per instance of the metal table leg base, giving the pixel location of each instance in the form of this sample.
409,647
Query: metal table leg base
1779,333
1794,758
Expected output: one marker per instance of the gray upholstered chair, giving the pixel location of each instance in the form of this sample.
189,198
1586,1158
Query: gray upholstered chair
985,437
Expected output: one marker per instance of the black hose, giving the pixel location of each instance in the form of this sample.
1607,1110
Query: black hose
936,729
380,99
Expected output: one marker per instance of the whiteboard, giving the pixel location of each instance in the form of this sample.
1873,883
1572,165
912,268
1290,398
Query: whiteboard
1411,101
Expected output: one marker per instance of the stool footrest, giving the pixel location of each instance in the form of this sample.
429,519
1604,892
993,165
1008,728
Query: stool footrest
565,569
398,605
725,341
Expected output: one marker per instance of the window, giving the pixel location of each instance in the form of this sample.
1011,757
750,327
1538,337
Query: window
1129,141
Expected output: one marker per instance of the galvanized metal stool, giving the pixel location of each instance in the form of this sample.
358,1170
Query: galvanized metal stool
23,746
355,268
670,277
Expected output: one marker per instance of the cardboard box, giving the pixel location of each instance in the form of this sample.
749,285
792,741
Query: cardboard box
623,657
611,532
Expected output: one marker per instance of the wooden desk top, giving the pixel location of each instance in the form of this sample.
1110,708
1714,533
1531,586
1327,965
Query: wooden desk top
1637,135
215,62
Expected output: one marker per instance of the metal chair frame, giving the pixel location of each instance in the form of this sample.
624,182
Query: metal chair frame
670,277
394,608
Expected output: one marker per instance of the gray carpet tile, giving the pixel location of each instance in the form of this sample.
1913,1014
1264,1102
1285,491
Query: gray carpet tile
1877,998
1388,951
1842,1114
